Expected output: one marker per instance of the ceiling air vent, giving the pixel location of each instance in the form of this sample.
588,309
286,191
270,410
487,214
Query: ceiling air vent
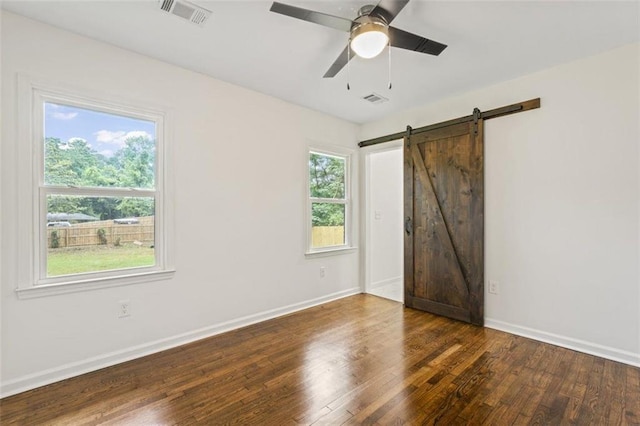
374,98
186,10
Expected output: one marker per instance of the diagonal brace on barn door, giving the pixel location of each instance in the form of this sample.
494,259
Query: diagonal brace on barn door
442,228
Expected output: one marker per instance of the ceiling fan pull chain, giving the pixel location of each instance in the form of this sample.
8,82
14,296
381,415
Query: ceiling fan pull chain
348,62
389,47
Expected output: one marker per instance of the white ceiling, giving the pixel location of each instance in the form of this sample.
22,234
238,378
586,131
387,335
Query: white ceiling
245,44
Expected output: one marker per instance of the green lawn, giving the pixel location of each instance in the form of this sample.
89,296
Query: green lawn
76,260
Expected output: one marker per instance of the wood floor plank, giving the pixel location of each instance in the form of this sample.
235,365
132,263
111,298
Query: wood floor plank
632,396
591,402
358,360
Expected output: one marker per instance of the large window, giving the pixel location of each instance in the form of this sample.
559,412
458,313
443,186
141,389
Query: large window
98,192
329,201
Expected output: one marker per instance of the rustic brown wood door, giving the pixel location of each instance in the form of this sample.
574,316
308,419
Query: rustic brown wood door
444,221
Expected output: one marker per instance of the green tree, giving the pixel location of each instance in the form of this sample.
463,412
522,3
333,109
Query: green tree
83,159
136,163
326,176
65,204
58,168
327,180
59,171
136,207
327,214
76,163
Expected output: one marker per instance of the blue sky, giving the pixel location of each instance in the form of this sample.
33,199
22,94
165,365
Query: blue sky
104,132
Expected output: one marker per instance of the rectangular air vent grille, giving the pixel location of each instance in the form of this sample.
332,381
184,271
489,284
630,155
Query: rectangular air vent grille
186,10
374,98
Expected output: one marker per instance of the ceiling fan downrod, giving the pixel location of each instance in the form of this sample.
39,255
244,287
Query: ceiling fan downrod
348,62
365,10
389,48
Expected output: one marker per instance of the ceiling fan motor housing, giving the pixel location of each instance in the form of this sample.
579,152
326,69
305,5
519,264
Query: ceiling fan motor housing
367,21
369,35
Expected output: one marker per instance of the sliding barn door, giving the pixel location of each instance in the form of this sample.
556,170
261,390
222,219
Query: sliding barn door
444,221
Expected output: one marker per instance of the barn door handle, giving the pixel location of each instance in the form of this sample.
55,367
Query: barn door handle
407,225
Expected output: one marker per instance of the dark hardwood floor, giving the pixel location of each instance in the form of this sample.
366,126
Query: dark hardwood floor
359,360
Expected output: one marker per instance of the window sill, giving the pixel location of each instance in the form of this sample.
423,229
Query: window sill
92,284
331,252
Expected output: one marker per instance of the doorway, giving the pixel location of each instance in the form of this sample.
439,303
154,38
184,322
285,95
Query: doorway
383,222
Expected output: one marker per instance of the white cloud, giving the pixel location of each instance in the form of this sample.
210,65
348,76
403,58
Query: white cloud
118,138
64,115
107,153
106,136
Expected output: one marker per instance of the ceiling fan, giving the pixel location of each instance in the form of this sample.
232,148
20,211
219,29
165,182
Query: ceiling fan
369,33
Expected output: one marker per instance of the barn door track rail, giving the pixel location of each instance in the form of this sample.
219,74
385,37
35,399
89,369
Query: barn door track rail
477,114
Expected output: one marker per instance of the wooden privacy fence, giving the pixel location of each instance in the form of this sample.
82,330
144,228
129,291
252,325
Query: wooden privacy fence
322,236
86,234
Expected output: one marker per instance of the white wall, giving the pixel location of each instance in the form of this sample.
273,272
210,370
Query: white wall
240,179
562,201
384,210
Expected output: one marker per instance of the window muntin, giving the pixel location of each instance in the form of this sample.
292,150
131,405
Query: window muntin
98,173
329,202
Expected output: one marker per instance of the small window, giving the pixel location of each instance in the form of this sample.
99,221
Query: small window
329,202
98,193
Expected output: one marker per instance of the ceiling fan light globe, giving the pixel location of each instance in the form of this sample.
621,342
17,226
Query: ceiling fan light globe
369,40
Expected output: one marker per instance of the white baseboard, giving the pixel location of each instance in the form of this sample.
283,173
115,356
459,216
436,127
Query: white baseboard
66,371
567,342
388,281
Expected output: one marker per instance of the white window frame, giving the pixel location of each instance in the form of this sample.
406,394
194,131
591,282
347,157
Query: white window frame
347,155
32,279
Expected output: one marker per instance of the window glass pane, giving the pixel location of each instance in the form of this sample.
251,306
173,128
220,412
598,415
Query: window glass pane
91,234
327,225
83,147
326,176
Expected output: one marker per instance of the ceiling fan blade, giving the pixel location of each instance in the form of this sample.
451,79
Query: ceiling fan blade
389,9
331,21
339,63
409,41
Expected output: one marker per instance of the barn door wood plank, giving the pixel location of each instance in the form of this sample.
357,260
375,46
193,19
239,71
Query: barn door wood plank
408,224
440,222
476,284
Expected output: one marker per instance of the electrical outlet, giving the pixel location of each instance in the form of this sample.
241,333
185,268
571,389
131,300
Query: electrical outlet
494,287
124,308
323,271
